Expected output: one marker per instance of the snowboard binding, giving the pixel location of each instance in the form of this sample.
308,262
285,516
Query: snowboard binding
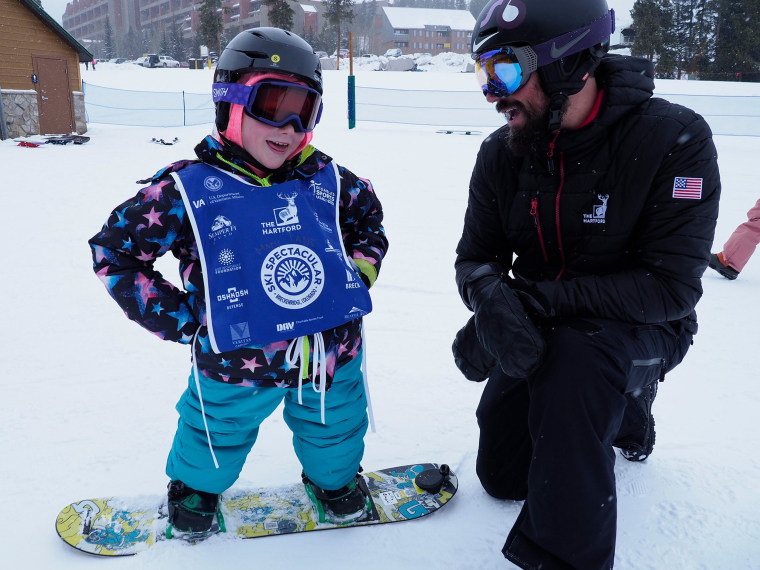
431,480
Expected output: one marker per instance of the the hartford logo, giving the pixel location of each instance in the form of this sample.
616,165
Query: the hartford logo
283,327
598,213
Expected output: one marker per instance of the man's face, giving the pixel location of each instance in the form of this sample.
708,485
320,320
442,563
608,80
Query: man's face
527,112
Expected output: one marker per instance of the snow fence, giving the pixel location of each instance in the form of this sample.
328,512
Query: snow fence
727,115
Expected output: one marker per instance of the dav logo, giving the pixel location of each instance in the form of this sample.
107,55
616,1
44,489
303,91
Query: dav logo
284,327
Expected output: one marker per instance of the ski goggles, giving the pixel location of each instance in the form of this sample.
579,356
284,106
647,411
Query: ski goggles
501,72
274,103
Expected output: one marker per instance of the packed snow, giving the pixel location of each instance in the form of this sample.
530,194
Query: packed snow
88,397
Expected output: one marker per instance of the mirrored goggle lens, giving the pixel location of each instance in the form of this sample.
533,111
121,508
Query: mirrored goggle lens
275,103
280,103
499,72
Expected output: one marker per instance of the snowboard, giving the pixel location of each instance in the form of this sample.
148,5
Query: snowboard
455,132
170,142
123,527
67,139
39,140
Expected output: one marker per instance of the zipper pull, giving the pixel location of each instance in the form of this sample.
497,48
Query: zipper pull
550,154
534,209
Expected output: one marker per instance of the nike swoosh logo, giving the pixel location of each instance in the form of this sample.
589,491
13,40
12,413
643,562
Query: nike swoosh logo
476,46
556,52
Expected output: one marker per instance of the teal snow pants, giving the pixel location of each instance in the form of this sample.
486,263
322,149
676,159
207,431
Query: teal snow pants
329,453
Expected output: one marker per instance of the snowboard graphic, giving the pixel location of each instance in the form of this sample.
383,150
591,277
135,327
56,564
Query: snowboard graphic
122,527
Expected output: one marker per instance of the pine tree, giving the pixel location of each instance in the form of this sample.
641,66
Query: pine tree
653,22
109,47
210,25
338,12
737,40
692,34
363,27
165,48
178,47
280,14
131,44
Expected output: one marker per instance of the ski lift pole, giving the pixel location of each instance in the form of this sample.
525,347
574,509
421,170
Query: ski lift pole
351,83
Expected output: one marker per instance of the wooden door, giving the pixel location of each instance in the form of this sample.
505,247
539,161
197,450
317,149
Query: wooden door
54,99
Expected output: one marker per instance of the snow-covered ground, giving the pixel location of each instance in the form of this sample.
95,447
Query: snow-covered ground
87,397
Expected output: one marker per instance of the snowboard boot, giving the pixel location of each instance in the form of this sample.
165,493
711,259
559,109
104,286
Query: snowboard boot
342,506
718,263
636,436
193,515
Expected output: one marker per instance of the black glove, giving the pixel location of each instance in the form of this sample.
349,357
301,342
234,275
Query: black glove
534,301
474,361
502,324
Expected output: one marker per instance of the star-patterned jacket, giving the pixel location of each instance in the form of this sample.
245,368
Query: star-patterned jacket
154,223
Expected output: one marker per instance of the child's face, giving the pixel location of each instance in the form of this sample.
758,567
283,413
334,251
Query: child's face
271,146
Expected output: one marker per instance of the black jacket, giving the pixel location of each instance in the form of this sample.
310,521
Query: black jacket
606,232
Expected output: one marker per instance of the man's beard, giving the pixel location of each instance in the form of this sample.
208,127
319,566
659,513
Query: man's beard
528,138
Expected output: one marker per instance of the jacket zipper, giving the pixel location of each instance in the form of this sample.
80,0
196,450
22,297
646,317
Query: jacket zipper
534,206
534,213
556,215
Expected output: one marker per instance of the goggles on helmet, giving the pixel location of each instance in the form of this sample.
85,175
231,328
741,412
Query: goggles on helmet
274,103
503,71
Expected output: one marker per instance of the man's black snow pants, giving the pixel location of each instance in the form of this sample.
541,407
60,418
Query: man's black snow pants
548,439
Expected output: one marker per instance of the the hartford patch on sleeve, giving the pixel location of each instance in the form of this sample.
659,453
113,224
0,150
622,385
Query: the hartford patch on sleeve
690,188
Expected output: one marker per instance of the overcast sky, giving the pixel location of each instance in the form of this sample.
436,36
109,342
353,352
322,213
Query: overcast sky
622,8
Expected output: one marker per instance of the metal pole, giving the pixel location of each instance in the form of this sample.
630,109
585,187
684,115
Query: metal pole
351,83
3,124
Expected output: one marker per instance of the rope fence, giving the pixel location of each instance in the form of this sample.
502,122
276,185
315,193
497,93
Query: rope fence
734,115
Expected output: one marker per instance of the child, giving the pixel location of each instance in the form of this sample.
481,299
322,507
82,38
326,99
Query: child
277,247
739,247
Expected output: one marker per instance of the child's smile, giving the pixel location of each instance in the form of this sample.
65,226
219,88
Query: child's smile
271,146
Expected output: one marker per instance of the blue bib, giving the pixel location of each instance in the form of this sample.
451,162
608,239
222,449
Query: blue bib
274,264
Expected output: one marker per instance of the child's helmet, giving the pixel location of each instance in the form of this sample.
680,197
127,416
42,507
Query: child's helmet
567,37
267,50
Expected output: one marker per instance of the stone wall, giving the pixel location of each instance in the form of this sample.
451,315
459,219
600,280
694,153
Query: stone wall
80,115
22,114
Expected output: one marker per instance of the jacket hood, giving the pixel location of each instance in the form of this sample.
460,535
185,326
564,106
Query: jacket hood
627,83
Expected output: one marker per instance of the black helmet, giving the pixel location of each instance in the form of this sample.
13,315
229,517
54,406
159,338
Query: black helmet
566,38
534,22
265,49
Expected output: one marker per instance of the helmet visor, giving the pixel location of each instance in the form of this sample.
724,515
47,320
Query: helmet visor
274,103
501,72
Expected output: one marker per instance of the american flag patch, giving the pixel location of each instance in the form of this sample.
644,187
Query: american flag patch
687,188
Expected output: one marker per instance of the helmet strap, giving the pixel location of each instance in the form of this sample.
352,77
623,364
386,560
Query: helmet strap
565,77
556,104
